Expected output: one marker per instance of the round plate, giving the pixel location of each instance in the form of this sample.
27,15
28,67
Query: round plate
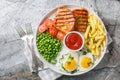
55,68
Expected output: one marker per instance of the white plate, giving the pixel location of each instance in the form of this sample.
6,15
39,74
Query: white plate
55,68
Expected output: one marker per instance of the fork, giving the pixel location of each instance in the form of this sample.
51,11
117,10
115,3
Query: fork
35,62
21,32
29,39
23,36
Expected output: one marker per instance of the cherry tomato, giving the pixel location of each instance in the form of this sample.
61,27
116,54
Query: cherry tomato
49,23
53,31
60,35
42,28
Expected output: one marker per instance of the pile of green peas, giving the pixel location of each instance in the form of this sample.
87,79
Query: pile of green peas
48,46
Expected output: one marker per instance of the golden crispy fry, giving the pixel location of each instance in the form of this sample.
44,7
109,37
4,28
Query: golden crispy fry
86,33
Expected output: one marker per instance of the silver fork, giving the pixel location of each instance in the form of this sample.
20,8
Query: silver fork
36,62
23,36
21,32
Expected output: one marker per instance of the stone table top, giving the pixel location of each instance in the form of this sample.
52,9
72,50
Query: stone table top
13,63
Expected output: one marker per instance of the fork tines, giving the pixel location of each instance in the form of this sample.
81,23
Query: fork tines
28,28
20,31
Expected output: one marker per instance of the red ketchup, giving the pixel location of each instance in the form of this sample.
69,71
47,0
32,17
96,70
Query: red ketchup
73,41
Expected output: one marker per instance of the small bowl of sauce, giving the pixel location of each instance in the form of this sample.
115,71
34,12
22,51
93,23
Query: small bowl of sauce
74,41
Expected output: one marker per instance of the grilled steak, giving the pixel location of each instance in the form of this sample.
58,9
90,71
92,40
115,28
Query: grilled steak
81,17
64,19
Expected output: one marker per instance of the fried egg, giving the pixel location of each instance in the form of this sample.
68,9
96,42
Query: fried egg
85,61
70,61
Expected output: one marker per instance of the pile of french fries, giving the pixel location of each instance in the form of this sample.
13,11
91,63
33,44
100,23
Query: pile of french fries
95,35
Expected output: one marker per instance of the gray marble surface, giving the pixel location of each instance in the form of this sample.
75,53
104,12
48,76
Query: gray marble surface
13,63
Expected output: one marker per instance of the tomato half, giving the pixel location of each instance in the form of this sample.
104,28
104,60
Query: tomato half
53,31
42,28
49,23
60,35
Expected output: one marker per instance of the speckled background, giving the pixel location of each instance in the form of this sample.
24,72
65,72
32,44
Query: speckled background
13,63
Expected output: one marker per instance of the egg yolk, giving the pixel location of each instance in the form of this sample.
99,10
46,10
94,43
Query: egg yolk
85,62
70,65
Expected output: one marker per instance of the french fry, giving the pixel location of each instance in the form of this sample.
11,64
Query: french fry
93,52
97,54
99,37
94,45
93,30
94,35
87,31
99,43
104,42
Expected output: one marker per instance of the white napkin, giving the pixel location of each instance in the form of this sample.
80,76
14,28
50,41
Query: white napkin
49,75
109,41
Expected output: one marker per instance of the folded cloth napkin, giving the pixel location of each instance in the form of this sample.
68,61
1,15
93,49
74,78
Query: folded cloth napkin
109,41
48,75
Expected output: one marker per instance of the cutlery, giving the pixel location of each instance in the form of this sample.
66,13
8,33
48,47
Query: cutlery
21,32
28,37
